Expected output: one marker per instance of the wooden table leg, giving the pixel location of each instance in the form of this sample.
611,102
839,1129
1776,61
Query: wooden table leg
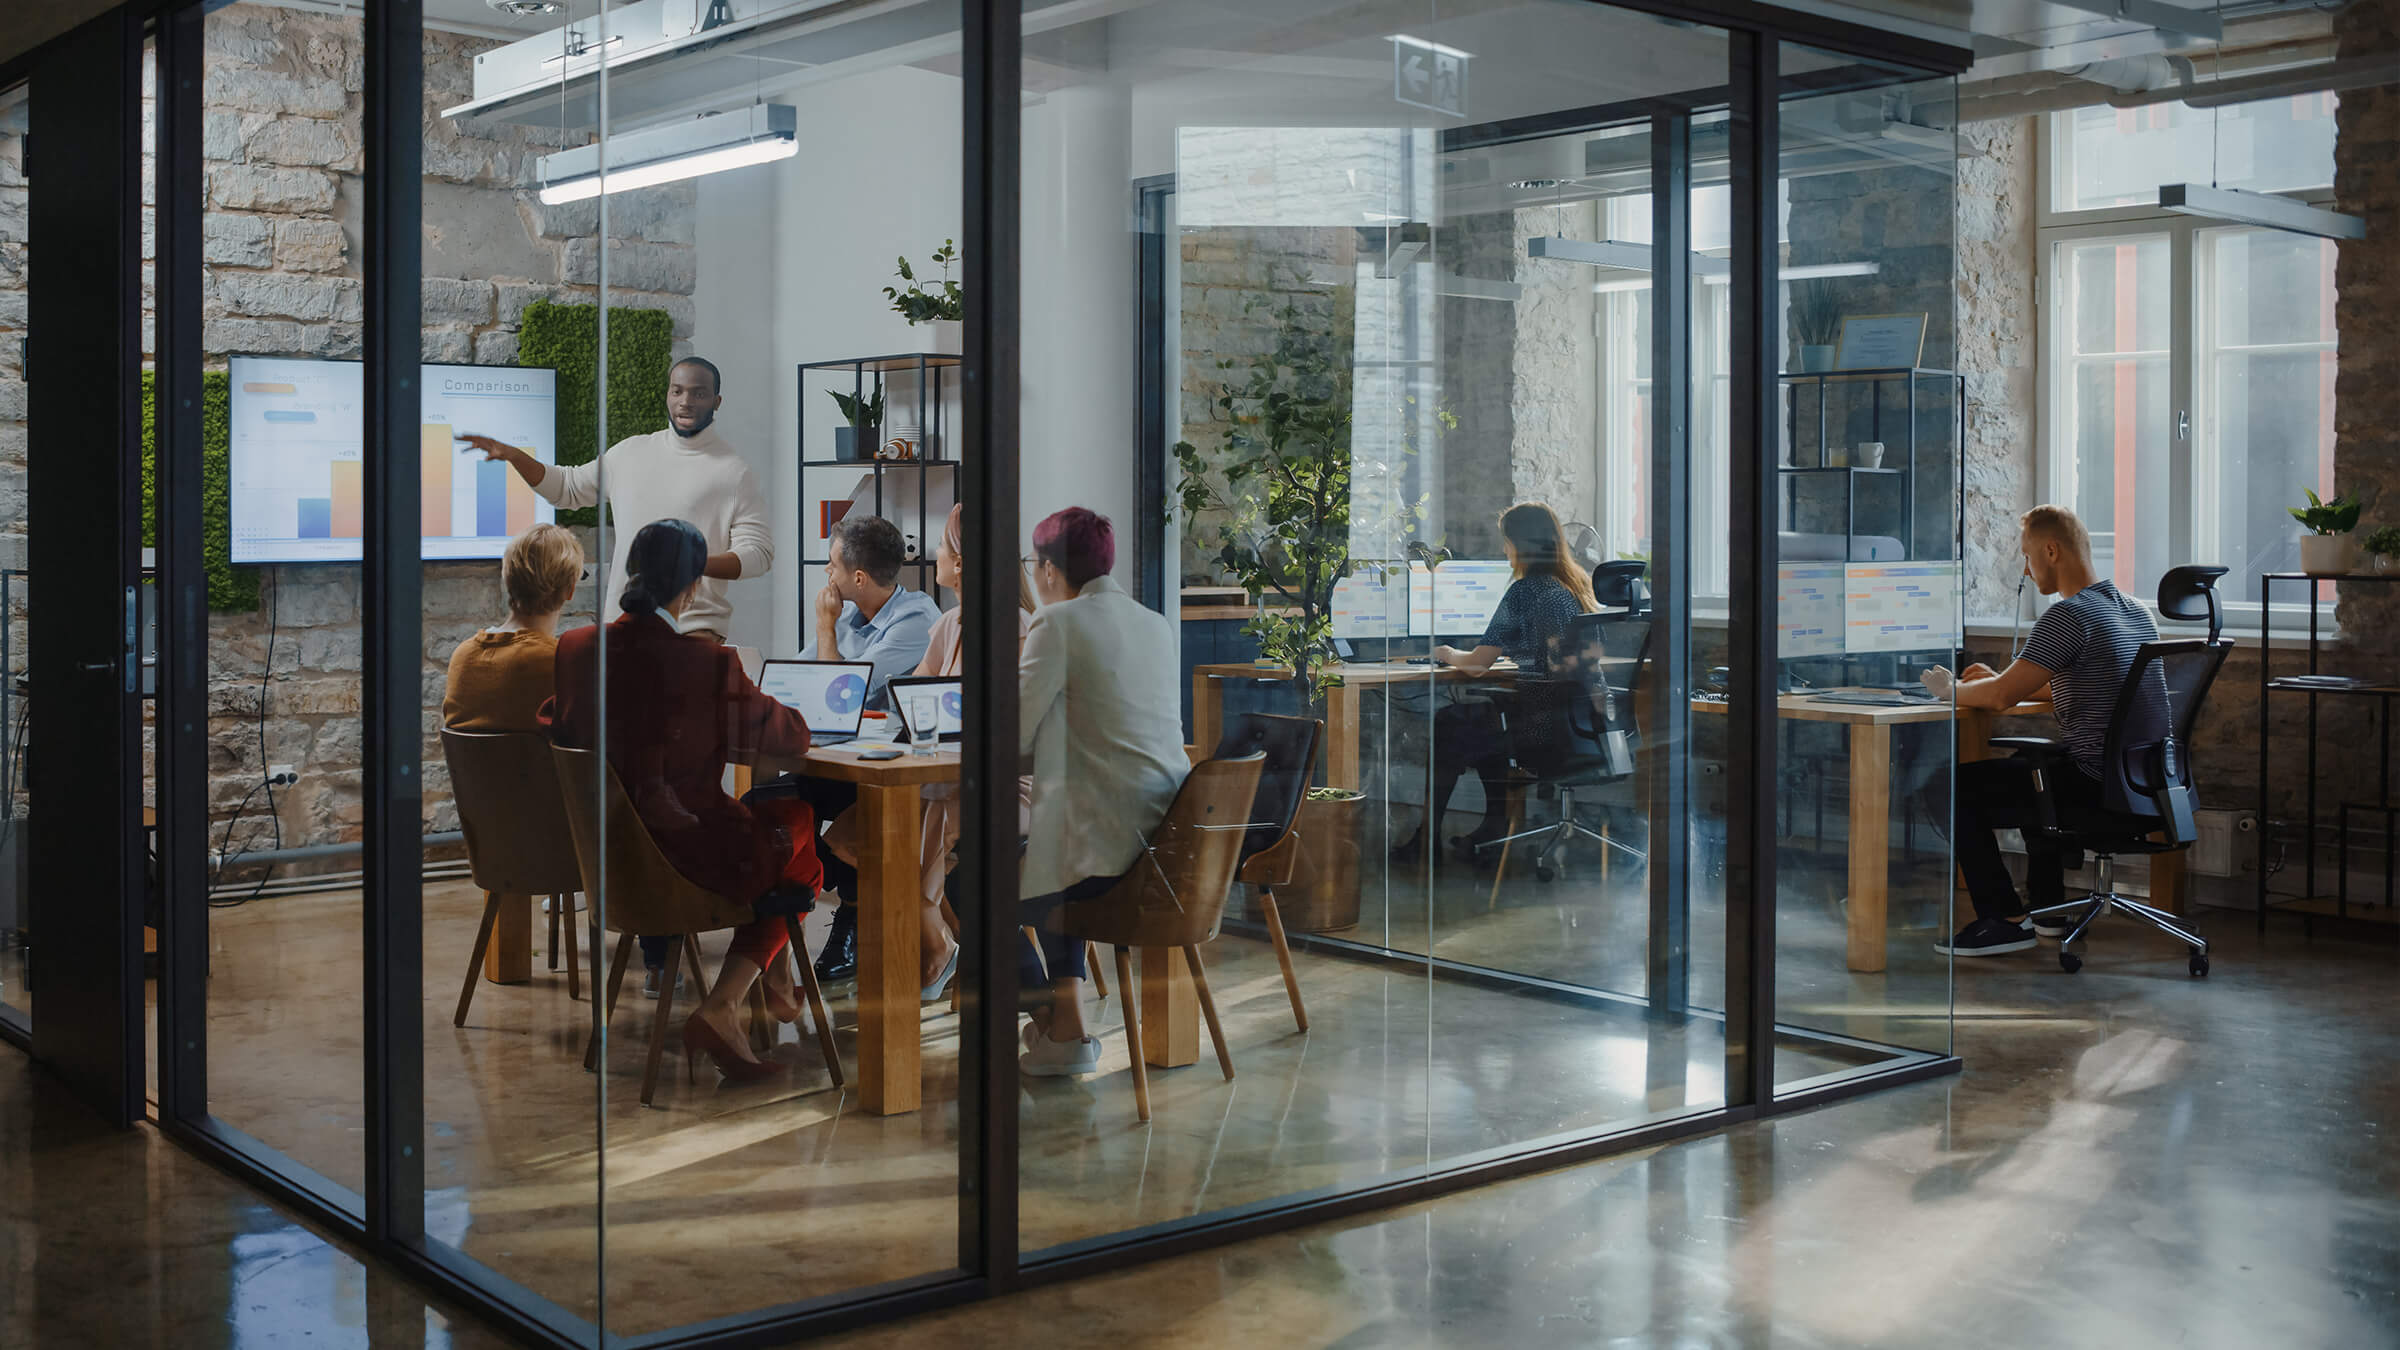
1170,1010
1870,842
2167,881
889,1080
509,960
1341,737
1208,712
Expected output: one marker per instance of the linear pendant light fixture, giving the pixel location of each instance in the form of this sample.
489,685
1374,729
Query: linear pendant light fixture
757,134
1636,258
2262,209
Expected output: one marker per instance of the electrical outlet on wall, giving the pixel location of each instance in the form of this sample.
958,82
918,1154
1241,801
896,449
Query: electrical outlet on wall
282,775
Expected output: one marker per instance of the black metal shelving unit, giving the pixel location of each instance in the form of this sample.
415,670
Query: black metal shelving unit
935,374
2381,688
1790,475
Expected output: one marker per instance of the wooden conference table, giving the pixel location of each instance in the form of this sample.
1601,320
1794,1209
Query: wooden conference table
1870,736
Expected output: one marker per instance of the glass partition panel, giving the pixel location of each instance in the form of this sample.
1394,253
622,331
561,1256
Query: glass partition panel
283,415
1387,283
17,927
1869,587
509,394
779,598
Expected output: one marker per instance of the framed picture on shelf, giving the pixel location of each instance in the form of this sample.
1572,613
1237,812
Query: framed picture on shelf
1880,342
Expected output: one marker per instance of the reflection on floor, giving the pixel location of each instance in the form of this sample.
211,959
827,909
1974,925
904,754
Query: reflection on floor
13,992
2093,1179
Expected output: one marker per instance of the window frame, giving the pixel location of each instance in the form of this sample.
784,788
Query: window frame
2054,229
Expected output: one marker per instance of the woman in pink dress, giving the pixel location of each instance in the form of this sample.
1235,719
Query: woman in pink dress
945,658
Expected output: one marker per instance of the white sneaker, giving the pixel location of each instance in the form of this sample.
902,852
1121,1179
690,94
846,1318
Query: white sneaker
650,983
1047,1058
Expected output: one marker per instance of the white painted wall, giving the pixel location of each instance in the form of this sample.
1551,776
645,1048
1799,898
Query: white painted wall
734,327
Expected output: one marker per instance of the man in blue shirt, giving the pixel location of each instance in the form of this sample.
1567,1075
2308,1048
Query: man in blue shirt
864,613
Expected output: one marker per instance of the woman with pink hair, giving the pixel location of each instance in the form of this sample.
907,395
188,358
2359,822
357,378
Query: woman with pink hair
1098,708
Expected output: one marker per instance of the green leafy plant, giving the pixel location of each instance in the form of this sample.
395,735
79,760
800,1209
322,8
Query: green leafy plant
1816,313
2338,516
866,414
641,350
1275,501
231,589
2383,540
919,305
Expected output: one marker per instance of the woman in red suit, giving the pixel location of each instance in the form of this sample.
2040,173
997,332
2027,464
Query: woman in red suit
678,710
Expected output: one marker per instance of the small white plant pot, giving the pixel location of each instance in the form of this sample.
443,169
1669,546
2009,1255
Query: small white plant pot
2325,555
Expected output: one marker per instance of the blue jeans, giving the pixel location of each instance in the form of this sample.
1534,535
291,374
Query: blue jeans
1061,956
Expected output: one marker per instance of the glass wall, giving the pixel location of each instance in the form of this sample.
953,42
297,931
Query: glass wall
1870,592
1378,508
16,901
282,283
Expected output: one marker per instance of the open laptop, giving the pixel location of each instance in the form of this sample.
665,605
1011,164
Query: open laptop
951,692
831,695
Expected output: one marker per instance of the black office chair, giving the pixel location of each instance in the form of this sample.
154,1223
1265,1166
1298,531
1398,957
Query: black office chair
2146,769
1623,584
1575,731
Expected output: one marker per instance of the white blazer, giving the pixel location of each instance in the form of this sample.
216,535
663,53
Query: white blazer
1100,710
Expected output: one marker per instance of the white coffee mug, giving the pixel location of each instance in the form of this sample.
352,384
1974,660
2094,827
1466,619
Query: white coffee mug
1870,455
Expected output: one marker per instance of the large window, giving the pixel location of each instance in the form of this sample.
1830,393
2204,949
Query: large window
2188,375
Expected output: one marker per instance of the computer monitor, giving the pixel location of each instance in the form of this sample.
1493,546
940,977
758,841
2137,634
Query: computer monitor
1900,607
1461,596
1371,602
951,695
1808,610
830,695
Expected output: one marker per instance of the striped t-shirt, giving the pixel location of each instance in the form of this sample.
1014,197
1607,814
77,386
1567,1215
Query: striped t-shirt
2087,642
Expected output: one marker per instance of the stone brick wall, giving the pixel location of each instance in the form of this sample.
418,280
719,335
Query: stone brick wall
1997,349
1554,408
282,277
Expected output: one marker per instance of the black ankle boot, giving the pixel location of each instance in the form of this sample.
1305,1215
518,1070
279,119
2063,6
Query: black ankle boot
839,960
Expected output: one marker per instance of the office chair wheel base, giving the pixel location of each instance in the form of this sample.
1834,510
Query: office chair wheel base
2199,965
2069,961
1545,871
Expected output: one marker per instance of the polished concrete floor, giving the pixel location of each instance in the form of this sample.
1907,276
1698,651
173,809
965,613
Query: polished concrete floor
2131,1158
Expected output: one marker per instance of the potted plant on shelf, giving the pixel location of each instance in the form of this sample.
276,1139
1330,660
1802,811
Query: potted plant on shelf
2325,549
865,416
1816,320
2383,545
1276,504
943,307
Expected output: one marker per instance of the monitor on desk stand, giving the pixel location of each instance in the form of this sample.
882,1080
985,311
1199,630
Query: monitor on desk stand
1456,599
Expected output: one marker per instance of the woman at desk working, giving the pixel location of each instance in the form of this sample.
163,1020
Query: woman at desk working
1528,628
945,658
679,708
1098,709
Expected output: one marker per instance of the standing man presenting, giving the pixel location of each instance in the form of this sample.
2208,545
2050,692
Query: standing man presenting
687,472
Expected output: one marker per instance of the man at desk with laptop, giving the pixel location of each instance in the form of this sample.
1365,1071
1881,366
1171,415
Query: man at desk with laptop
869,628
2077,656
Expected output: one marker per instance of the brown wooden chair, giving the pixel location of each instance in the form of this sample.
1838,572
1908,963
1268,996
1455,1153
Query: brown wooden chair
647,897
1271,850
518,842
1174,897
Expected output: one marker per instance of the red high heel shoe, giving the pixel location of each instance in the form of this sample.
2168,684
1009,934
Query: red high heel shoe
701,1038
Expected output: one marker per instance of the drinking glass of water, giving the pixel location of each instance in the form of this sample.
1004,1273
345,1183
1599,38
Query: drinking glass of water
924,713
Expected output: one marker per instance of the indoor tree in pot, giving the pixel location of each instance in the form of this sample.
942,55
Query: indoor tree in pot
1276,505
2325,549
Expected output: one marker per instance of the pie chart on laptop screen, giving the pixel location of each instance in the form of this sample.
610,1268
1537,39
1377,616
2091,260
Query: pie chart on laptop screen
953,706
844,694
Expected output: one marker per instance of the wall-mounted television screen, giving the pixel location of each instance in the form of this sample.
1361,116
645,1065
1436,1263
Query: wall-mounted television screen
298,458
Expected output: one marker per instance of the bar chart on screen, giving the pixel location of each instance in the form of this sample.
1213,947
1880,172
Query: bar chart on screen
298,462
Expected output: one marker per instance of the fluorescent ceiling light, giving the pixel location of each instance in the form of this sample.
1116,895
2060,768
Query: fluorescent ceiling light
2259,208
1637,258
757,134
1849,269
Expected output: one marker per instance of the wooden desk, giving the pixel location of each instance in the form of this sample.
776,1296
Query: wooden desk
891,815
1341,703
